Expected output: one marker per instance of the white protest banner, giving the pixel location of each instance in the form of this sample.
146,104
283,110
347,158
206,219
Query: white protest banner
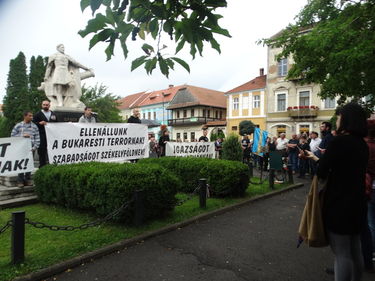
194,149
15,156
85,142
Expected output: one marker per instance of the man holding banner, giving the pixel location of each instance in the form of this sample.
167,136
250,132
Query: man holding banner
26,129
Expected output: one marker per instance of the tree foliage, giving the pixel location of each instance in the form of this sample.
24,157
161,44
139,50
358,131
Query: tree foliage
36,77
21,92
16,99
186,22
246,127
232,148
102,103
333,44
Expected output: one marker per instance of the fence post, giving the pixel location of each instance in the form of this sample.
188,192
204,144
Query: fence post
290,174
18,237
138,207
202,193
271,178
250,164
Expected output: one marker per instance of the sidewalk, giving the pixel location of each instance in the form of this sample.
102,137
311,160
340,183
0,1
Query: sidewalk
254,242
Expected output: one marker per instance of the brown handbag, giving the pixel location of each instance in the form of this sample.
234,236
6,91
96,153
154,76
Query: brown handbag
311,228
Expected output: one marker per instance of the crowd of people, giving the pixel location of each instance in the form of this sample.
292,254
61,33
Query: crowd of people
293,151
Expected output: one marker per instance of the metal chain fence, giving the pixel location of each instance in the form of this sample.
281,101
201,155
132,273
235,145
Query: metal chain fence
81,227
5,227
189,197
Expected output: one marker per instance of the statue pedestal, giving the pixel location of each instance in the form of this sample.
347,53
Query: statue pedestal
64,114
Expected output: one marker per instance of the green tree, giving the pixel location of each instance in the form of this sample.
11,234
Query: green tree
333,44
246,127
16,99
190,22
36,77
103,104
232,148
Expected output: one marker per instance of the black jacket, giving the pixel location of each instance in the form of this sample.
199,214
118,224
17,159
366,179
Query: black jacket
42,131
133,119
344,164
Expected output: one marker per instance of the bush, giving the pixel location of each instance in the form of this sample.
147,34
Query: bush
104,187
226,178
232,148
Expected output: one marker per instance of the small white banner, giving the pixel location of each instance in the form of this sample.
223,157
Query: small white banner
69,143
15,156
194,149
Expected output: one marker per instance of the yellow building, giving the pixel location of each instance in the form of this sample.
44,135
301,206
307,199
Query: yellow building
247,102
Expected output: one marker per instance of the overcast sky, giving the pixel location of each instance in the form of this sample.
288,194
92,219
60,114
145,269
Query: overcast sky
35,27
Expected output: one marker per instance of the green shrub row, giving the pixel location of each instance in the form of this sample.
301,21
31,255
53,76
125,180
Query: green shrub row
226,178
104,187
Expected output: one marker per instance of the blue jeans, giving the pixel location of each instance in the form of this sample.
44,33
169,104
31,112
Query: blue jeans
293,160
371,217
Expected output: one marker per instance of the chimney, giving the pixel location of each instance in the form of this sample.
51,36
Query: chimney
170,86
261,71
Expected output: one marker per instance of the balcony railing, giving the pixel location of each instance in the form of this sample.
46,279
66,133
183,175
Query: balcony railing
303,111
190,121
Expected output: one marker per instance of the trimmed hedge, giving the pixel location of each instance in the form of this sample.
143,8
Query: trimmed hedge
104,187
226,178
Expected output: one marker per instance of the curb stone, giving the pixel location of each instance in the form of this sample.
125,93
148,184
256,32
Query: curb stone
88,257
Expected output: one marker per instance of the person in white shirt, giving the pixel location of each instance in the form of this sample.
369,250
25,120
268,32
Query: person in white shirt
315,141
281,144
314,148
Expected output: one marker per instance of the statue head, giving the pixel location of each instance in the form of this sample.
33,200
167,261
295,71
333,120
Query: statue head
60,48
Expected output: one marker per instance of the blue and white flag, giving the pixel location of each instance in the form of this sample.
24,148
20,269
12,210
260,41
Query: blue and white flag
260,139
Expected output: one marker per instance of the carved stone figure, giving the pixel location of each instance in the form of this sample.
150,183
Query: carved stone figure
62,80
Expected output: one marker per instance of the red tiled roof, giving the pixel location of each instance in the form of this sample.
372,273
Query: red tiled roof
257,83
202,96
157,96
131,100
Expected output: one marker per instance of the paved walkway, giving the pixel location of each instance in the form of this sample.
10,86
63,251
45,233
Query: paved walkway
254,242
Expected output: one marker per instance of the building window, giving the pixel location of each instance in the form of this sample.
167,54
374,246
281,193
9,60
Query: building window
192,136
282,67
281,129
204,113
192,113
234,128
304,98
178,136
304,129
149,115
208,112
185,113
178,113
245,102
221,115
329,103
236,103
281,102
185,136
144,115
256,101
154,115
216,114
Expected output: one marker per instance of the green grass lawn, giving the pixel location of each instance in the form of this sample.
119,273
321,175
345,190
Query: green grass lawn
45,247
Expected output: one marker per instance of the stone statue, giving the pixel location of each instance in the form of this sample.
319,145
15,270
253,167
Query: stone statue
62,80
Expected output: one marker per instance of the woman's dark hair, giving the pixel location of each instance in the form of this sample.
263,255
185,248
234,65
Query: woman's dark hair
353,120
